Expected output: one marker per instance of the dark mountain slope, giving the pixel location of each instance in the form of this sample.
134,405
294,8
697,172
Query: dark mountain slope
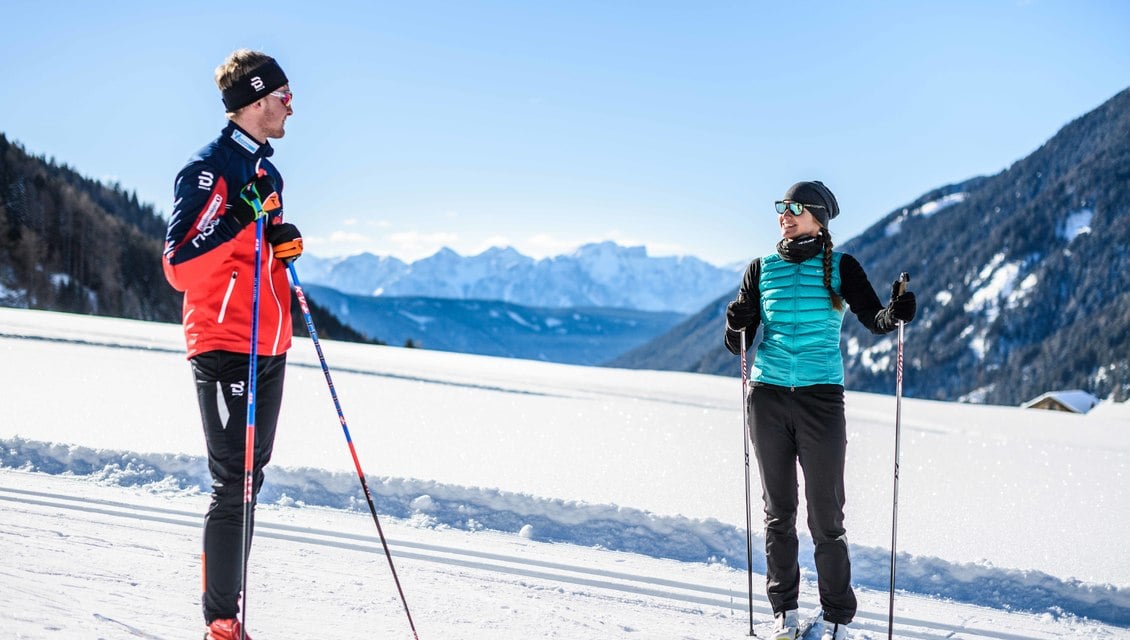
1022,280
70,243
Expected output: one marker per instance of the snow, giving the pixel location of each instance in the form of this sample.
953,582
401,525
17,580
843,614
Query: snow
602,274
979,344
525,499
895,226
877,357
1017,296
926,210
1076,224
518,319
934,206
1078,400
995,281
420,320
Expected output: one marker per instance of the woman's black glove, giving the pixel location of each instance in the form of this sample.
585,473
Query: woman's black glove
902,306
741,314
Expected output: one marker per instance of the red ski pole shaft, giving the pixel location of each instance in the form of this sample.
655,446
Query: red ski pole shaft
348,438
249,439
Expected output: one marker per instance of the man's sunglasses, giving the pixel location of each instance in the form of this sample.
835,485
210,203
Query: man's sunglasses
286,96
795,208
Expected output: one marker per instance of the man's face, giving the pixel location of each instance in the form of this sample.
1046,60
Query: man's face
276,109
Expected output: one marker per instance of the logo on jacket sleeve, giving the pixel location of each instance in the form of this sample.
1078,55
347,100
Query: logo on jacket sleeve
208,220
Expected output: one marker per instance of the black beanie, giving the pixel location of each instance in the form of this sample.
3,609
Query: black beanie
816,193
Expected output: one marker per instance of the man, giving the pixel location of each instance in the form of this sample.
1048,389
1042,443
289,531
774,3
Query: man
210,256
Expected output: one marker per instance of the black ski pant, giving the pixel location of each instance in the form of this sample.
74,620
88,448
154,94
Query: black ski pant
221,389
805,425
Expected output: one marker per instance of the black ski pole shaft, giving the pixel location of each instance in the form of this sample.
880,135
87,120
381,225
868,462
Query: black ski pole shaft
249,438
349,439
748,520
900,288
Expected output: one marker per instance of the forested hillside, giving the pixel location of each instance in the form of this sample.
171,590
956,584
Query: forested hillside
70,243
1023,280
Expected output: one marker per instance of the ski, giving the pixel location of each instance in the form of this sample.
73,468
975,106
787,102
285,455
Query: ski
808,623
134,631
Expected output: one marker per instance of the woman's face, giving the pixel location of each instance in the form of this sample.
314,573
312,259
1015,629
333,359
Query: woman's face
798,226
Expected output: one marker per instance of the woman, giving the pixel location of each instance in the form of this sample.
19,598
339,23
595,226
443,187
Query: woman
796,396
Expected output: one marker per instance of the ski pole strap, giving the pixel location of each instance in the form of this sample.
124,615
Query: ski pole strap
260,194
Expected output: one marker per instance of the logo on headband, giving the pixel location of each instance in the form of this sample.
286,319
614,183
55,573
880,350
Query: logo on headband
254,85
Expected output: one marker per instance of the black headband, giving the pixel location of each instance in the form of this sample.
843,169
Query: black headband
257,83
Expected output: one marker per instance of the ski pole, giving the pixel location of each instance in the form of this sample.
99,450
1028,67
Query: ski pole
249,439
254,199
899,289
748,519
348,439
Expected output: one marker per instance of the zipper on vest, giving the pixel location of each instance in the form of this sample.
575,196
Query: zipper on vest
792,334
227,296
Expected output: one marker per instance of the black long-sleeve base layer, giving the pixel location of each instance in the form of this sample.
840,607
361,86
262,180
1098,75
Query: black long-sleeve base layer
222,390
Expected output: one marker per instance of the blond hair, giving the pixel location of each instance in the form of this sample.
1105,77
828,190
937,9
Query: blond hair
238,64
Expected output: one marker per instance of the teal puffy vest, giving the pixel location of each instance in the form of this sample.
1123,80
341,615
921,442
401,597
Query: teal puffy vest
800,344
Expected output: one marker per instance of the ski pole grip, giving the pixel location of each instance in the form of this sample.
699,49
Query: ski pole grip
900,284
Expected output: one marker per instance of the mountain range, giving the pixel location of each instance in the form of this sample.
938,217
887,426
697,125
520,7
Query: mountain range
1022,280
574,335
602,274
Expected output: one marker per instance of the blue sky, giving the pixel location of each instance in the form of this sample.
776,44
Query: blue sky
544,125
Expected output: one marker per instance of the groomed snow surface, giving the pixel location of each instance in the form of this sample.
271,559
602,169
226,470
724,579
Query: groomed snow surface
524,499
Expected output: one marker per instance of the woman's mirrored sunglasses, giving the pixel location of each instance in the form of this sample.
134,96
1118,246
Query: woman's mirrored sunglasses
795,208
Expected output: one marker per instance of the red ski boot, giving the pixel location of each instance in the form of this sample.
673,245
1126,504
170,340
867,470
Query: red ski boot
224,629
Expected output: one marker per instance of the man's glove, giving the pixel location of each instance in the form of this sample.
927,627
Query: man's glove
285,240
901,307
740,313
256,198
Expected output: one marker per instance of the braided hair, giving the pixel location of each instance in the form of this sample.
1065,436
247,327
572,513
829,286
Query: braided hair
837,301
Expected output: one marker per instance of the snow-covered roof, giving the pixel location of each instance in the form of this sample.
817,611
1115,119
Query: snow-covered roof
1075,400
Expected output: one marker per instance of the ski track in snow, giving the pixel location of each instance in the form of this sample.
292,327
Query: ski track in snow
514,566
606,526
128,628
671,576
